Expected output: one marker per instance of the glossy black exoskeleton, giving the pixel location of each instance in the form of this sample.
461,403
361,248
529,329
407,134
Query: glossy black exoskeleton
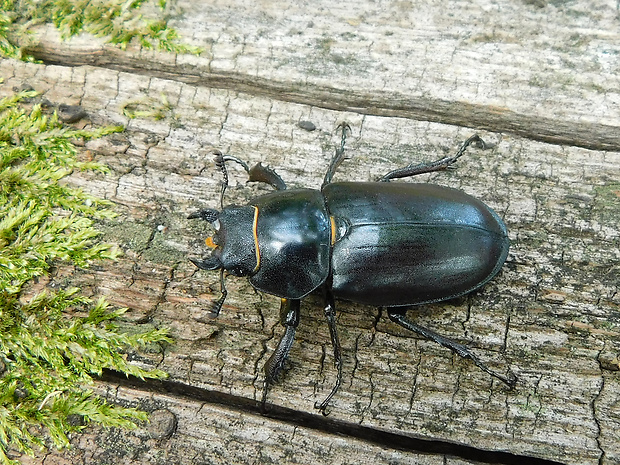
377,243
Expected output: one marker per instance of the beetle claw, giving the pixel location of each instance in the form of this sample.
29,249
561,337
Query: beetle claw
263,403
322,407
216,306
510,380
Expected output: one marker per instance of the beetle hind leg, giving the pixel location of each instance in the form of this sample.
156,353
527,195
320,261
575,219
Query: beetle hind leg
289,318
397,316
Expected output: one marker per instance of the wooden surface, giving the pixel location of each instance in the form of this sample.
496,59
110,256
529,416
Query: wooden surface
413,79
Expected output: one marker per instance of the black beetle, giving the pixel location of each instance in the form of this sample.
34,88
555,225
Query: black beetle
377,243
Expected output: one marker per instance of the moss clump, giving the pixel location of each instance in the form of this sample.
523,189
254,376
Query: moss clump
48,359
120,21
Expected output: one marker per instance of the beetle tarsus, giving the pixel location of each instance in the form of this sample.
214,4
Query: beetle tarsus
216,306
346,129
439,165
289,318
400,318
330,314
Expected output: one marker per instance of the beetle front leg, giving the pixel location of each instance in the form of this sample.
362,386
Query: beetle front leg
398,317
330,314
289,318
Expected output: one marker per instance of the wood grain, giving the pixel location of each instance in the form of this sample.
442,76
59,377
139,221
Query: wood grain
537,80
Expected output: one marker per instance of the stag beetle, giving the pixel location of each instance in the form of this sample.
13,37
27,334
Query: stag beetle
376,243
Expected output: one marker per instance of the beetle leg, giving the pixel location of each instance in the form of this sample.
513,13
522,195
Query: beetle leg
442,164
338,157
289,318
260,173
398,317
216,306
330,314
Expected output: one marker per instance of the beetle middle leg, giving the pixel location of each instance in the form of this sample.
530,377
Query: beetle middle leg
398,316
289,318
439,165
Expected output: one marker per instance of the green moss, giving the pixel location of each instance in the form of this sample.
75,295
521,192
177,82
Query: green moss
119,21
48,359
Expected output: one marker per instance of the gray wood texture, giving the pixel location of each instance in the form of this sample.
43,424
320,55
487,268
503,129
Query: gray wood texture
537,80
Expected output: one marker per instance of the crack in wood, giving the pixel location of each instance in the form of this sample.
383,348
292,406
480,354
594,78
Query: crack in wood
320,423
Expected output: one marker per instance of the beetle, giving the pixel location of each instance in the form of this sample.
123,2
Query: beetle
393,245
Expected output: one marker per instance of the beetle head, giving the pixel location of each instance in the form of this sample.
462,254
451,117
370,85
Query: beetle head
234,248
233,243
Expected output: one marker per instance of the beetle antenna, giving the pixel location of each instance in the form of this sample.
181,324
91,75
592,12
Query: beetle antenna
220,162
239,161
208,214
217,305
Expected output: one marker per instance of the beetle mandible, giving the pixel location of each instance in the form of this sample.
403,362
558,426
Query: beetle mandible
385,244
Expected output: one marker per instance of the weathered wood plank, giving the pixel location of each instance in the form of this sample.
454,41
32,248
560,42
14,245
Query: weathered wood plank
184,431
552,313
546,71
